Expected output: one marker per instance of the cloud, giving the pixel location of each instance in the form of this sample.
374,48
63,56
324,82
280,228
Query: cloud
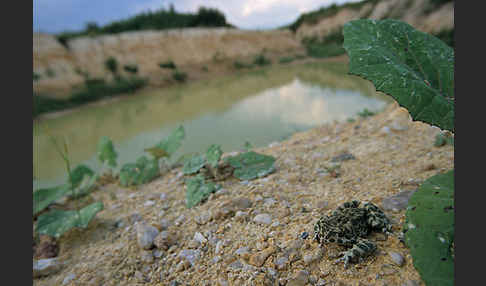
60,15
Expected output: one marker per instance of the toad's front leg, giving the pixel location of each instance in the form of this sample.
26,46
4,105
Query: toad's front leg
362,248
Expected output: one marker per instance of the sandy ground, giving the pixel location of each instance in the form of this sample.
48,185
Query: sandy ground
219,243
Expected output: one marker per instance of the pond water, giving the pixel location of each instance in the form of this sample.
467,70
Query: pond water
261,107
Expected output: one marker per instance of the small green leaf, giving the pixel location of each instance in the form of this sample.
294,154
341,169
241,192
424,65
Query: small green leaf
173,142
44,197
57,222
213,154
194,164
79,173
198,190
429,229
140,172
251,165
184,158
106,152
415,68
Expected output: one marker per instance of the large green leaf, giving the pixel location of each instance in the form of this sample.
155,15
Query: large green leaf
43,197
194,164
198,190
415,68
140,172
106,152
213,154
429,229
57,222
251,165
173,142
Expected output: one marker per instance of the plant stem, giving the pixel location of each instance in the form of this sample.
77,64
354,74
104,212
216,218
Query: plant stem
65,156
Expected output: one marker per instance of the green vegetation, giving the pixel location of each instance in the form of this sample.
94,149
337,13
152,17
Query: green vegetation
106,152
213,154
198,161
145,170
261,60
418,67
251,165
286,60
246,166
158,20
36,76
173,142
241,65
140,172
329,46
167,65
111,64
324,12
198,190
131,68
194,164
81,181
429,229
50,73
366,113
419,73
179,76
93,89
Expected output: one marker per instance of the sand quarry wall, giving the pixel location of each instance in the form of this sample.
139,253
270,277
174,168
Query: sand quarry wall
413,12
147,49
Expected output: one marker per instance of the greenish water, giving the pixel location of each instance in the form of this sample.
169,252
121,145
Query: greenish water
261,107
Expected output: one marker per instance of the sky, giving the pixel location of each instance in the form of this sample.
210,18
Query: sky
54,16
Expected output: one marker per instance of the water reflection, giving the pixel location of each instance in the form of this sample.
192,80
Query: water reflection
304,105
260,107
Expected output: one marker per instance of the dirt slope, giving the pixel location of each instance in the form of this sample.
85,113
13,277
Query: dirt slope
219,243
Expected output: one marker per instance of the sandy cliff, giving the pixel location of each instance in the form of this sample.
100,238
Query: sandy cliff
146,50
413,12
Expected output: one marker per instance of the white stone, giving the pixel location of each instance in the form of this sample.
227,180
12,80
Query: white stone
219,247
146,235
68,278
200,238
263,219
45,267
149,203
397,258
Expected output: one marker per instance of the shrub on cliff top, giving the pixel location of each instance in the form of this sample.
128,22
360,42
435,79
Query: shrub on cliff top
111,64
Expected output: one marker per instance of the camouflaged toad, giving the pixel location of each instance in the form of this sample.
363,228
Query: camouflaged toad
348,226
